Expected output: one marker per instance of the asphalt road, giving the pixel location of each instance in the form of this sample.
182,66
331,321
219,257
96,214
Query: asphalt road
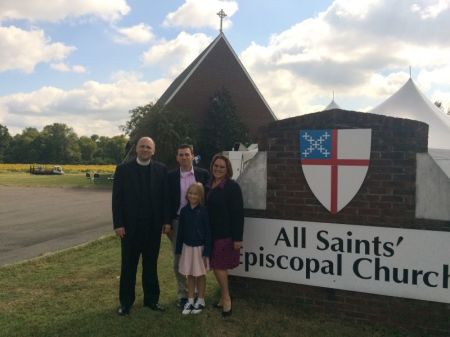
36,221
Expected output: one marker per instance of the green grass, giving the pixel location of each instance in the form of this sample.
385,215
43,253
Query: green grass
76,180
74,293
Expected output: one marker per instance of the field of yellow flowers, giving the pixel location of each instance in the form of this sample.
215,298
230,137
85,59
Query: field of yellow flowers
66,168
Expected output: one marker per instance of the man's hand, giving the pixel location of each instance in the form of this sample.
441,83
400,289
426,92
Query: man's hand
171,234
120,232
166,228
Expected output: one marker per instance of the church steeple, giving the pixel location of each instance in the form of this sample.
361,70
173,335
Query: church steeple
221,15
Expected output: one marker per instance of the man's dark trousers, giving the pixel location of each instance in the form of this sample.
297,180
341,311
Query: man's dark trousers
145,243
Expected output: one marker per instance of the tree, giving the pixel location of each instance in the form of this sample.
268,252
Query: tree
5,140
110,150
60,144
222,128
87,146
25,147
166,126
136,118
115,148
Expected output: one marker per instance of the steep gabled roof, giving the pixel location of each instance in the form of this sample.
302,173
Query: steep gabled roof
175,86
409,102
215,68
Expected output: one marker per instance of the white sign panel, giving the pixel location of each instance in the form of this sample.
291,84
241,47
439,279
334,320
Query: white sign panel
386,261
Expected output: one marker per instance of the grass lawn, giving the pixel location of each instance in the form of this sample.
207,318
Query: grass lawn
74,293
76,180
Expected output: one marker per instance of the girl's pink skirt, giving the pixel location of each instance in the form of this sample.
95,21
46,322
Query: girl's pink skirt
191,261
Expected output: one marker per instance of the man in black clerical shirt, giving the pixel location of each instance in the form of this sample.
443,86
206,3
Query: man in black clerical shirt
140,214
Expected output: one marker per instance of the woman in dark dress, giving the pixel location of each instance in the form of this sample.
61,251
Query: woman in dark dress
226,214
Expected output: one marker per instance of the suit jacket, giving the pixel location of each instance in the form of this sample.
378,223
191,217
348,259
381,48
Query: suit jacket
126,191
201,176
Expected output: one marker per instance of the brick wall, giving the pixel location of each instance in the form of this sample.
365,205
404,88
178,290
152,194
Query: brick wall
385,199
413,318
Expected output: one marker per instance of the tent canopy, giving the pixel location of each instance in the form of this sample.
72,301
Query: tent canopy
409,102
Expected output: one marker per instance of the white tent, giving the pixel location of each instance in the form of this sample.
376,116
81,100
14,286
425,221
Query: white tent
409,102
332,105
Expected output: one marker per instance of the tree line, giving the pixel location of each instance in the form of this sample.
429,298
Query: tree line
59,144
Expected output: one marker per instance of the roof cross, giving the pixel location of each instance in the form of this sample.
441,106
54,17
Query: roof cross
221,15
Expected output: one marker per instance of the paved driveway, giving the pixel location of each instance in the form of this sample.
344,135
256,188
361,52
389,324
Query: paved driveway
35,221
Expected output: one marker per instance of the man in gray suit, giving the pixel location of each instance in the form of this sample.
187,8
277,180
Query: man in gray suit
179,181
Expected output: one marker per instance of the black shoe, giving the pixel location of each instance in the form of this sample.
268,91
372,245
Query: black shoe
198,308
123,311
188,307
181,302
226,313
155,307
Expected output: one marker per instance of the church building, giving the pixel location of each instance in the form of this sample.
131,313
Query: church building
216,68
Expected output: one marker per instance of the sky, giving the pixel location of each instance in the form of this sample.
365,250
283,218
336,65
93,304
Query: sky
87,63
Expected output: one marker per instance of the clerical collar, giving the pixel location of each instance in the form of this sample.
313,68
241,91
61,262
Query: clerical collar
143,163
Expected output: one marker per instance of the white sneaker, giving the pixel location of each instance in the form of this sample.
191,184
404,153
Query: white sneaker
197,308
188,307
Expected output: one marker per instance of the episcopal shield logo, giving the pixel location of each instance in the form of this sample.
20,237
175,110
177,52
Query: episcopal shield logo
335,163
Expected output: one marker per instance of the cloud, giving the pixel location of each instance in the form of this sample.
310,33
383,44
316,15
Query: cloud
437,75
386,85
430,11
437,81
175,55
201,13
23,50
94,107
140,33
351,47
79,69
42,10
62,67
